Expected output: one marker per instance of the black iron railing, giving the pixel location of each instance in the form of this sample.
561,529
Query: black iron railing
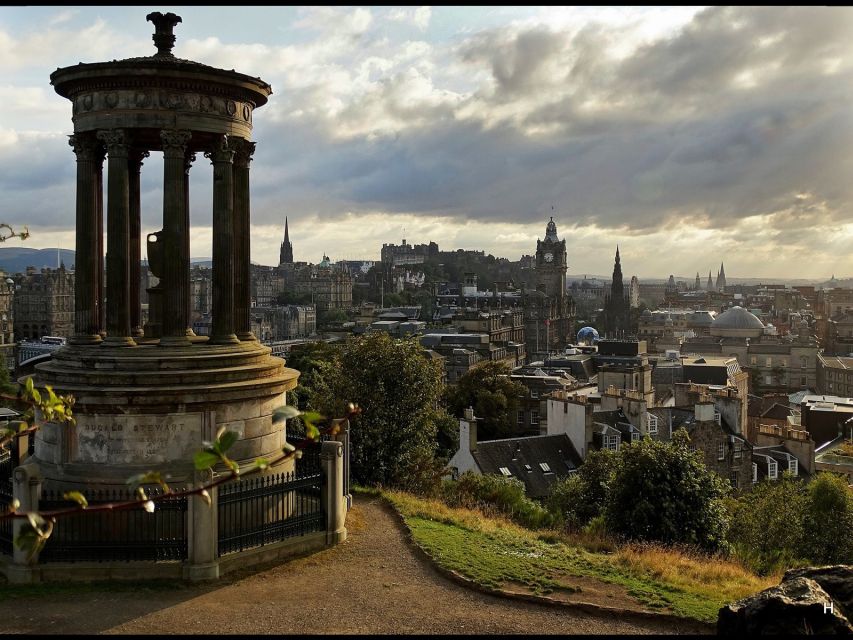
122,535
7,466
257,511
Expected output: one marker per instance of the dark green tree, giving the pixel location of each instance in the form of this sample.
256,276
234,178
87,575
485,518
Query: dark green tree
663,492
290,297
493,395
767,524
583,495
397,389
828,522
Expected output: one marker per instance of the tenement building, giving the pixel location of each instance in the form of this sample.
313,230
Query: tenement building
44,303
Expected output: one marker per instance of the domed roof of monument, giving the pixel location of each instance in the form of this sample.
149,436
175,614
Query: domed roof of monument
737,318
161,68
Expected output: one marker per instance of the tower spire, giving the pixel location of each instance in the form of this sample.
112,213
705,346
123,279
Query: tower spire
286,251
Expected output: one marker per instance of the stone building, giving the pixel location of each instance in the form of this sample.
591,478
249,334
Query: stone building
329,285
549,311
835,375
201,291
267,284
44,303
287,322
7,325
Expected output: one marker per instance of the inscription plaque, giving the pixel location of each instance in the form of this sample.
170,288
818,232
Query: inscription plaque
137,439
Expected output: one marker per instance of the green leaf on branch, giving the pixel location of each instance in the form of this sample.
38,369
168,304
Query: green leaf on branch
262,463
205,460
310,418
76,496
285,413
227,440
149,477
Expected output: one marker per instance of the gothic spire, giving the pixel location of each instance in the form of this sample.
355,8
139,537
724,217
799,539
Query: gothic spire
286,252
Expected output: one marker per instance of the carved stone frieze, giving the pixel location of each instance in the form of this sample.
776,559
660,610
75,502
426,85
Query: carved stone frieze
156,99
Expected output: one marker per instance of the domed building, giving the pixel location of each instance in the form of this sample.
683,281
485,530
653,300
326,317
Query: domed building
737,322
587,335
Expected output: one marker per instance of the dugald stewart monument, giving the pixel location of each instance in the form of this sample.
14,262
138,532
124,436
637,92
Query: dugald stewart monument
148,397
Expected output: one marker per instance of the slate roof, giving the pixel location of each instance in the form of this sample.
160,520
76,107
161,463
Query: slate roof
523,457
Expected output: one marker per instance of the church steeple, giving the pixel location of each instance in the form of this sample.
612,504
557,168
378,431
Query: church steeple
721,278
617,290
286,251
710,281
698,284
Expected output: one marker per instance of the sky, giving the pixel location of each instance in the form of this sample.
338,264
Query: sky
686,135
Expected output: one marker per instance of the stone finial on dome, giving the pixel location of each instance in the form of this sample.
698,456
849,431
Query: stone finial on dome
163,37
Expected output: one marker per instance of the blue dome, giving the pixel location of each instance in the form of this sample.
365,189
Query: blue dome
587,335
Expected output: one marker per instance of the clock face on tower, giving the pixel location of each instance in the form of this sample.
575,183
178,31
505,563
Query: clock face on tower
549,257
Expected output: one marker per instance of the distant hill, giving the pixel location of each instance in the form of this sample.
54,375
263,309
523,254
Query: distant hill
17,259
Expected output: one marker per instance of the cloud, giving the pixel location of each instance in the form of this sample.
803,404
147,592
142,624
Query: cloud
731,123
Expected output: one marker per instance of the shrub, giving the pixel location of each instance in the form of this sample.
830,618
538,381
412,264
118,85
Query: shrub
497,494
663,492
581,497
767,525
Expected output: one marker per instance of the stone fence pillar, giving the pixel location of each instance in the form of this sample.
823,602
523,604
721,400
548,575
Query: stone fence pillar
203,533
343,438
26,489
332,494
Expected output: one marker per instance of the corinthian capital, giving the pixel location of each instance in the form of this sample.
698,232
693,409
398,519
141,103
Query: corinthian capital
84,146
243,150
116,141
175,142
222,150
135,158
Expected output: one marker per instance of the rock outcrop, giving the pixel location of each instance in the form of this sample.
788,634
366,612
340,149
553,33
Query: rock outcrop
814,600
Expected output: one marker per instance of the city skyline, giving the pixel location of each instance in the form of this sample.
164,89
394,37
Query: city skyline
687,136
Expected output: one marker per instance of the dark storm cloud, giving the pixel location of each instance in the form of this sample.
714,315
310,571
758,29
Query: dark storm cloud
663,136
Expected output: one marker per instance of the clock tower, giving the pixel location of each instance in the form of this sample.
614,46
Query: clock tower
548,310
551,264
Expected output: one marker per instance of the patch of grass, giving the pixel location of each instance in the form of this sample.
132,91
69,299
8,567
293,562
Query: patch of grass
492,551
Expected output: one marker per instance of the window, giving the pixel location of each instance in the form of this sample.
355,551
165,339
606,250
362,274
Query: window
534,394
611,443
544,466
754,472
738,449
565,407
521,417
635,436
768,380
733,479
771,470
793,465
652,423
753,360
528,468
717,417
534,417
769,361
803,382
505,471
721,451
692,448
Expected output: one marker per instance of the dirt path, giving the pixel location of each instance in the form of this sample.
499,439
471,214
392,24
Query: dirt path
373,583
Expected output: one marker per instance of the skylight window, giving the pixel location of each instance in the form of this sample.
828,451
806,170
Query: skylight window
544,466
505,471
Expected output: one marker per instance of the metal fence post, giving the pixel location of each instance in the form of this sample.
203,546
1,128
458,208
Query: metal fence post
26,488
203,535
332,493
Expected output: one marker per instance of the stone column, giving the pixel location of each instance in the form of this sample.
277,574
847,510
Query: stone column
222,159
86,307
134,165
242,244
188,161
99,214
118,239
332,492
176,236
